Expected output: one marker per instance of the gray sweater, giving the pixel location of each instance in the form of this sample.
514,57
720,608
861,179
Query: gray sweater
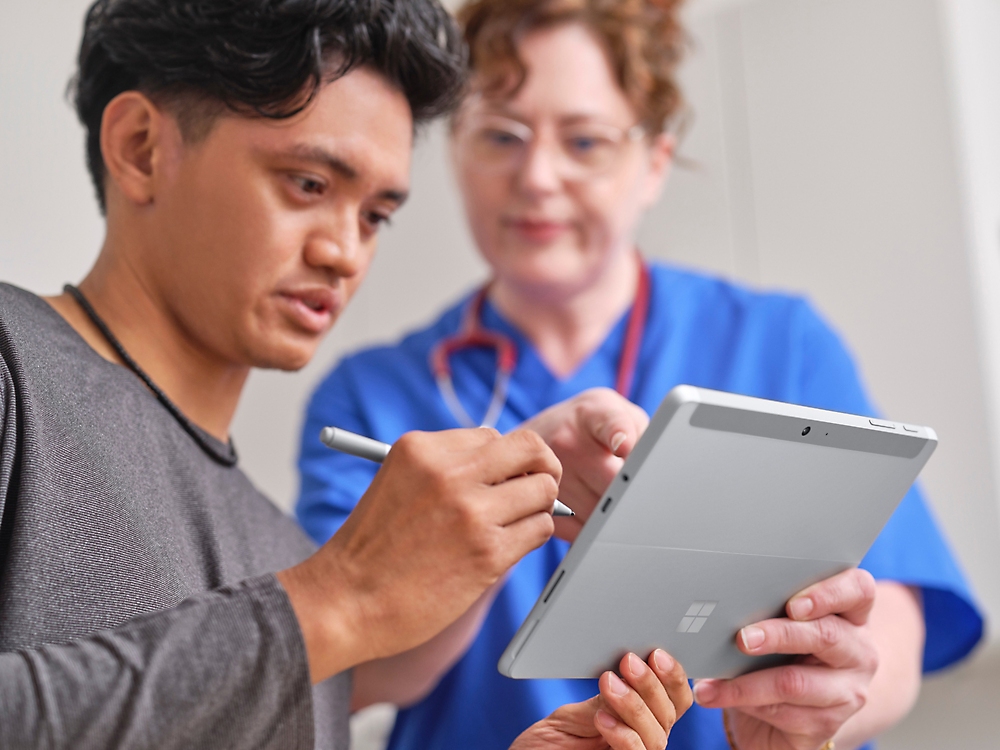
137,605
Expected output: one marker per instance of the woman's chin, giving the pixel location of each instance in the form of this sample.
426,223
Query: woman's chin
544,280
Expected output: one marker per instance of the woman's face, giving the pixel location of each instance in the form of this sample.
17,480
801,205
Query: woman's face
556,177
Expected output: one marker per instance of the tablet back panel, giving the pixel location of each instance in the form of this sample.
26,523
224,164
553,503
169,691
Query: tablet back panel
728,506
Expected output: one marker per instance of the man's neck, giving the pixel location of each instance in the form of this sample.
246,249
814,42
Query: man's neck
204,388
567,328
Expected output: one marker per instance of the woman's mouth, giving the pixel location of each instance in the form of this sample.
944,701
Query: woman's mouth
538,230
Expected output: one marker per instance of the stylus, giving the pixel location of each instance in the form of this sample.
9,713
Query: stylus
376,450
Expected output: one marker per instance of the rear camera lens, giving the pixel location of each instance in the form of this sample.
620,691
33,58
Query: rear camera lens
806,430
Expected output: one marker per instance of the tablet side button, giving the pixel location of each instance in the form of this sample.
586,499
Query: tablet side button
607,504
883,425
552,590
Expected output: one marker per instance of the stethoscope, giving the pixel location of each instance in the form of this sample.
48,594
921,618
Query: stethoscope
473,334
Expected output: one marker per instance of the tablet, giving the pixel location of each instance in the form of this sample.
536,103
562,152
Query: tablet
727,507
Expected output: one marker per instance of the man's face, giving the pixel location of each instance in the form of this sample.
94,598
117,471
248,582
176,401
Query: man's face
260,233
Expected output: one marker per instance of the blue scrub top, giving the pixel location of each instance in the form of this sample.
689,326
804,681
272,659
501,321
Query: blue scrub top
701,331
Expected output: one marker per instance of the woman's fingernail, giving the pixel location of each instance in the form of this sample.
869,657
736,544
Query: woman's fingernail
752,637
618,687
663,660
616,441
801,607
705,691
605,719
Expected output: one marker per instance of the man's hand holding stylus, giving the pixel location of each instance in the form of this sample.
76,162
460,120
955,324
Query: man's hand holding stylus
447,515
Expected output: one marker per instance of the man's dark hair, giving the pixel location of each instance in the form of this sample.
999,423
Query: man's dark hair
265,58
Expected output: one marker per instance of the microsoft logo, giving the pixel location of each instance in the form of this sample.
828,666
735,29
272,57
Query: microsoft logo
696,617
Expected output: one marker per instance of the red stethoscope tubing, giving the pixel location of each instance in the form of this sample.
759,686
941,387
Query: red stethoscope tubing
474,335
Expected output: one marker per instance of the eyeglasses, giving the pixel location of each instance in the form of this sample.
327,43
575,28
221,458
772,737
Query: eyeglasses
501,145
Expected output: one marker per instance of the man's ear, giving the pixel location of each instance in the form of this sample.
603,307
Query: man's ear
661,159
131,131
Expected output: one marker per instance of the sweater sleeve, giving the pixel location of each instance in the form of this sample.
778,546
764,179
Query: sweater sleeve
223,669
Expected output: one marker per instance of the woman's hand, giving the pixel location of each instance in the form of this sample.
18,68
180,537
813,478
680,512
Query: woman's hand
591,435
636,713
803,706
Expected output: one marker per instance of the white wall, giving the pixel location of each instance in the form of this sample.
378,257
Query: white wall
50,229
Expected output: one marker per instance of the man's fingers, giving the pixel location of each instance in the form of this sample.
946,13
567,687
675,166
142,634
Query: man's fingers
520,452
651,690
833,640
797,684
618,735
673,677
850,594
633,710
521,497
575,719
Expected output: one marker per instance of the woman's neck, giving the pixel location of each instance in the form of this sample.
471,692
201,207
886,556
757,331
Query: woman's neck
567,327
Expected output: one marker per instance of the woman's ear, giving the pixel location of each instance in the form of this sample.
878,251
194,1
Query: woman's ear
131,130
661,159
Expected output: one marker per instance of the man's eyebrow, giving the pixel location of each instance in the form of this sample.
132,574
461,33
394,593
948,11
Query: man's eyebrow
320,155
341,167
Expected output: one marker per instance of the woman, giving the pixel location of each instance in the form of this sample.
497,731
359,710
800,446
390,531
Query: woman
559,148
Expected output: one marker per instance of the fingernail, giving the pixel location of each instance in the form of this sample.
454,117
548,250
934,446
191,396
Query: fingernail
663,660
705,691
605,719
801,607
636,665
752,637
616,441
618,687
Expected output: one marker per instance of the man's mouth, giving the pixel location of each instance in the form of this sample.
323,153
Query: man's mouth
313,308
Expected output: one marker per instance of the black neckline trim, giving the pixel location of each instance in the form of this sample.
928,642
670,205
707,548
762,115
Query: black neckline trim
221,453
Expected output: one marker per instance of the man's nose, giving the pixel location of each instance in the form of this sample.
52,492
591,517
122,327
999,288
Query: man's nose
336,246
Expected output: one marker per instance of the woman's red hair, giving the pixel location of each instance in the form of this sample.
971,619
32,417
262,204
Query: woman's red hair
644,39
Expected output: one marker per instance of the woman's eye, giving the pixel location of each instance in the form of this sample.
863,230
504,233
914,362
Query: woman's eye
502,138
583,144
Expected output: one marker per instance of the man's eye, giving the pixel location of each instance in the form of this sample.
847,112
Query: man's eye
377,220
309,185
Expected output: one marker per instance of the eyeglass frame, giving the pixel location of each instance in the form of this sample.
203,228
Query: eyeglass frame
528,135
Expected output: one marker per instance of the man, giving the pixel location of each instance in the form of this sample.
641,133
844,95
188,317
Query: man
245,153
